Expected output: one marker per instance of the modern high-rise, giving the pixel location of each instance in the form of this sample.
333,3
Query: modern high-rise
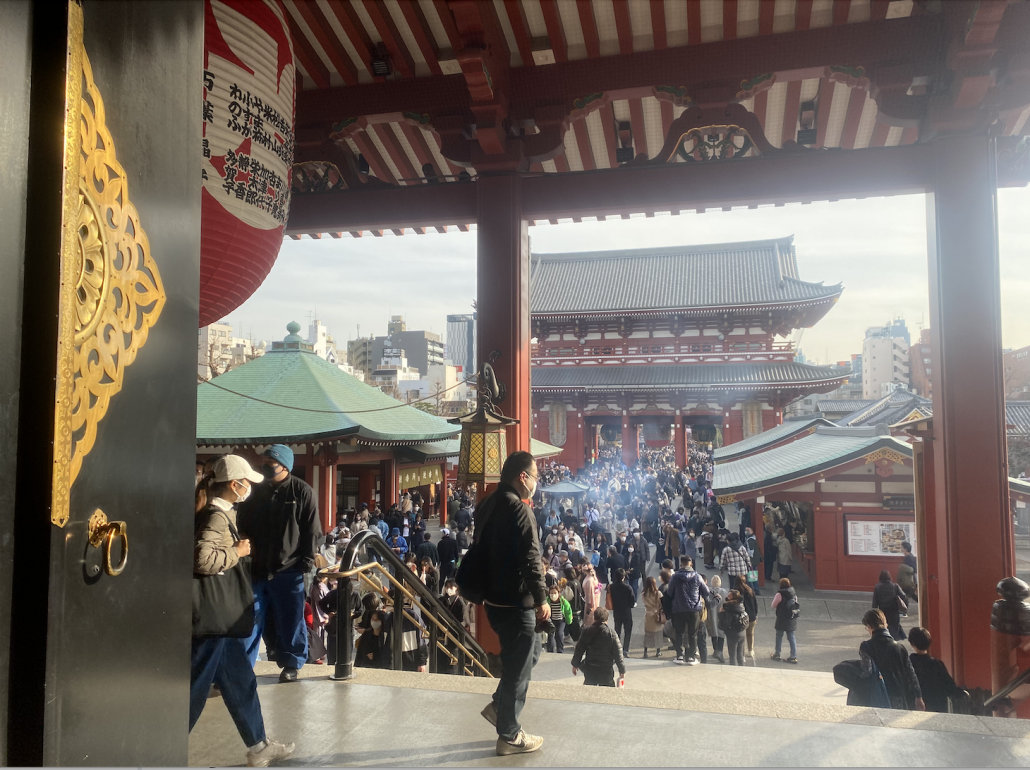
461,342
919,370
420,348
884,360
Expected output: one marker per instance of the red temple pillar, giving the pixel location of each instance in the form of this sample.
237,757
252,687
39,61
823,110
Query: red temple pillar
366,488
629,441
970,464
572,452
387,484
679,439
732,426
771,417
595,439
502,291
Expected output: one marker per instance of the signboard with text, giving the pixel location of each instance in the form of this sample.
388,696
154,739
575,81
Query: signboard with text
879,538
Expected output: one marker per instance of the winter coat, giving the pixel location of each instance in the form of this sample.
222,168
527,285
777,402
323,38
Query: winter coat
687,591
597,650
784,619
214,547
733,618
784,555
894,664
652,606
282,523
506,529
715,600
886,595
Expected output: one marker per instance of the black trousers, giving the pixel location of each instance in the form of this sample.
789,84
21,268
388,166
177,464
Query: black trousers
684,625
598,678
624,621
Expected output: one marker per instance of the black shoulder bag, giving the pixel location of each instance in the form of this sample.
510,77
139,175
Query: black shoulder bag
223,604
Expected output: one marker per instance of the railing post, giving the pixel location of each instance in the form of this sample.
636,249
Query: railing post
434,652
397,635
344,631
1010,633
462,662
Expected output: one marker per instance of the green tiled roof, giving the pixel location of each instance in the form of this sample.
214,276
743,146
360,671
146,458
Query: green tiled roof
340,405
824,449
620,376
1019,485
761,440
680,277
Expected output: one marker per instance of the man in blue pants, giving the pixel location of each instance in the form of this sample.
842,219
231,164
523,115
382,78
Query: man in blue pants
281,520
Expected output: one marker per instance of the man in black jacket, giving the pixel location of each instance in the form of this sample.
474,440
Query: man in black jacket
597,650
281,520
515,595
448,551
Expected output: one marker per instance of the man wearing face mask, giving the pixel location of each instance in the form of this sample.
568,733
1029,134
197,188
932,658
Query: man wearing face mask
515,595
281,520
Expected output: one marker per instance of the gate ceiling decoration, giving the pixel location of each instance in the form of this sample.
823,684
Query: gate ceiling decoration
111,290
249,95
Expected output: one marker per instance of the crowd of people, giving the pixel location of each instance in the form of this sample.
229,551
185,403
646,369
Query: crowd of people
564,572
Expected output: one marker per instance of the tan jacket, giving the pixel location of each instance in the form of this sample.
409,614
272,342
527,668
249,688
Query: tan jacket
215,547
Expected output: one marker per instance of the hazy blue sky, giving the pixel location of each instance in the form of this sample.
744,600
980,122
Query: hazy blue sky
875,247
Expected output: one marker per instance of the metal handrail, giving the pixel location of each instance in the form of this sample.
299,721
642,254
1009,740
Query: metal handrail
404,584
995,700
415,601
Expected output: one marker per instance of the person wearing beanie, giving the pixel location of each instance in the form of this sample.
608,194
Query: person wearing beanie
281,520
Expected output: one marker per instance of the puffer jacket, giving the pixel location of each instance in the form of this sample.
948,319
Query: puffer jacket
214,548
687,590
598,649
733,618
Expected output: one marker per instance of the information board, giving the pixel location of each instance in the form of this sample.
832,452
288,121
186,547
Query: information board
879,538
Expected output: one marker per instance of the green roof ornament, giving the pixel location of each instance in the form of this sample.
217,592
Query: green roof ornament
293,328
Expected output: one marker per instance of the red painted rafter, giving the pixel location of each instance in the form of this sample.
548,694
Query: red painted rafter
766,16
658,28
879,137
420,146
326,37
377,233
790,111
555,30
441,228
397,231
589,25
608,126
354,29
826,90
396,152
623,26
304,52
636,116
520,28
423,34
856,103
371,153
841,9
449,25
693,22
586,152
729,19
561,162
909,135
355,233
387,29
803,15
335,235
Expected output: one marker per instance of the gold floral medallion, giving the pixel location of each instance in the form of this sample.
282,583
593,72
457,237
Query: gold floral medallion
111,290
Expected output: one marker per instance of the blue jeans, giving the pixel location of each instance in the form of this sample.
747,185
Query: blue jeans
634,583
520,651
223,661
283,596
753,584
790,638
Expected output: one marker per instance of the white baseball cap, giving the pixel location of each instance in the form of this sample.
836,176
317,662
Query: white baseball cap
233,468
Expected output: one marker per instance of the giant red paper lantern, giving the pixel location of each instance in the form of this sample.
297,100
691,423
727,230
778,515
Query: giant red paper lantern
249,94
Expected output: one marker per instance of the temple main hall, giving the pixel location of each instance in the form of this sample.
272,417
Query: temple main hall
670,340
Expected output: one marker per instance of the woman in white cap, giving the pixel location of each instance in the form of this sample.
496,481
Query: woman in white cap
219,656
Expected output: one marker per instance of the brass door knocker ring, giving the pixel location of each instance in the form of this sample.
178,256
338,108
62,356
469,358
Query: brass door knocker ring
102,534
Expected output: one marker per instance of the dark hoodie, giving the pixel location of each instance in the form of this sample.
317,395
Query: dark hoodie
733,618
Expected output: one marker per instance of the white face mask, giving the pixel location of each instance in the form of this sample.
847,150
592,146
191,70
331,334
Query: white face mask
554,597
630,549
450,591
376,624
245,495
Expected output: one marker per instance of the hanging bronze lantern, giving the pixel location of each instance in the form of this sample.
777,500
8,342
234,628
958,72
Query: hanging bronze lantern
484,445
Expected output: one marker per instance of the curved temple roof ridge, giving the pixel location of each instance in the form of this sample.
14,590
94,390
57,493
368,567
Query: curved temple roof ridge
673,278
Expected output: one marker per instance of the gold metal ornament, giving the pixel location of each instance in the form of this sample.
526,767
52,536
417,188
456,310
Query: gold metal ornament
102,533
111,290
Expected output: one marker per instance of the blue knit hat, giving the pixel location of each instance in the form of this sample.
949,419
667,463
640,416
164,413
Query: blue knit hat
282,454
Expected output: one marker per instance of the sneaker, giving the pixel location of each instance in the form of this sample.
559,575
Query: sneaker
645,655
524,743
692,662
658,653
271,752
775,656
288,675
489,713
679,660
751,652
792,660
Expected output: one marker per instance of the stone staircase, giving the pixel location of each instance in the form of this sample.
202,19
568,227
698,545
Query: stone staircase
665,716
